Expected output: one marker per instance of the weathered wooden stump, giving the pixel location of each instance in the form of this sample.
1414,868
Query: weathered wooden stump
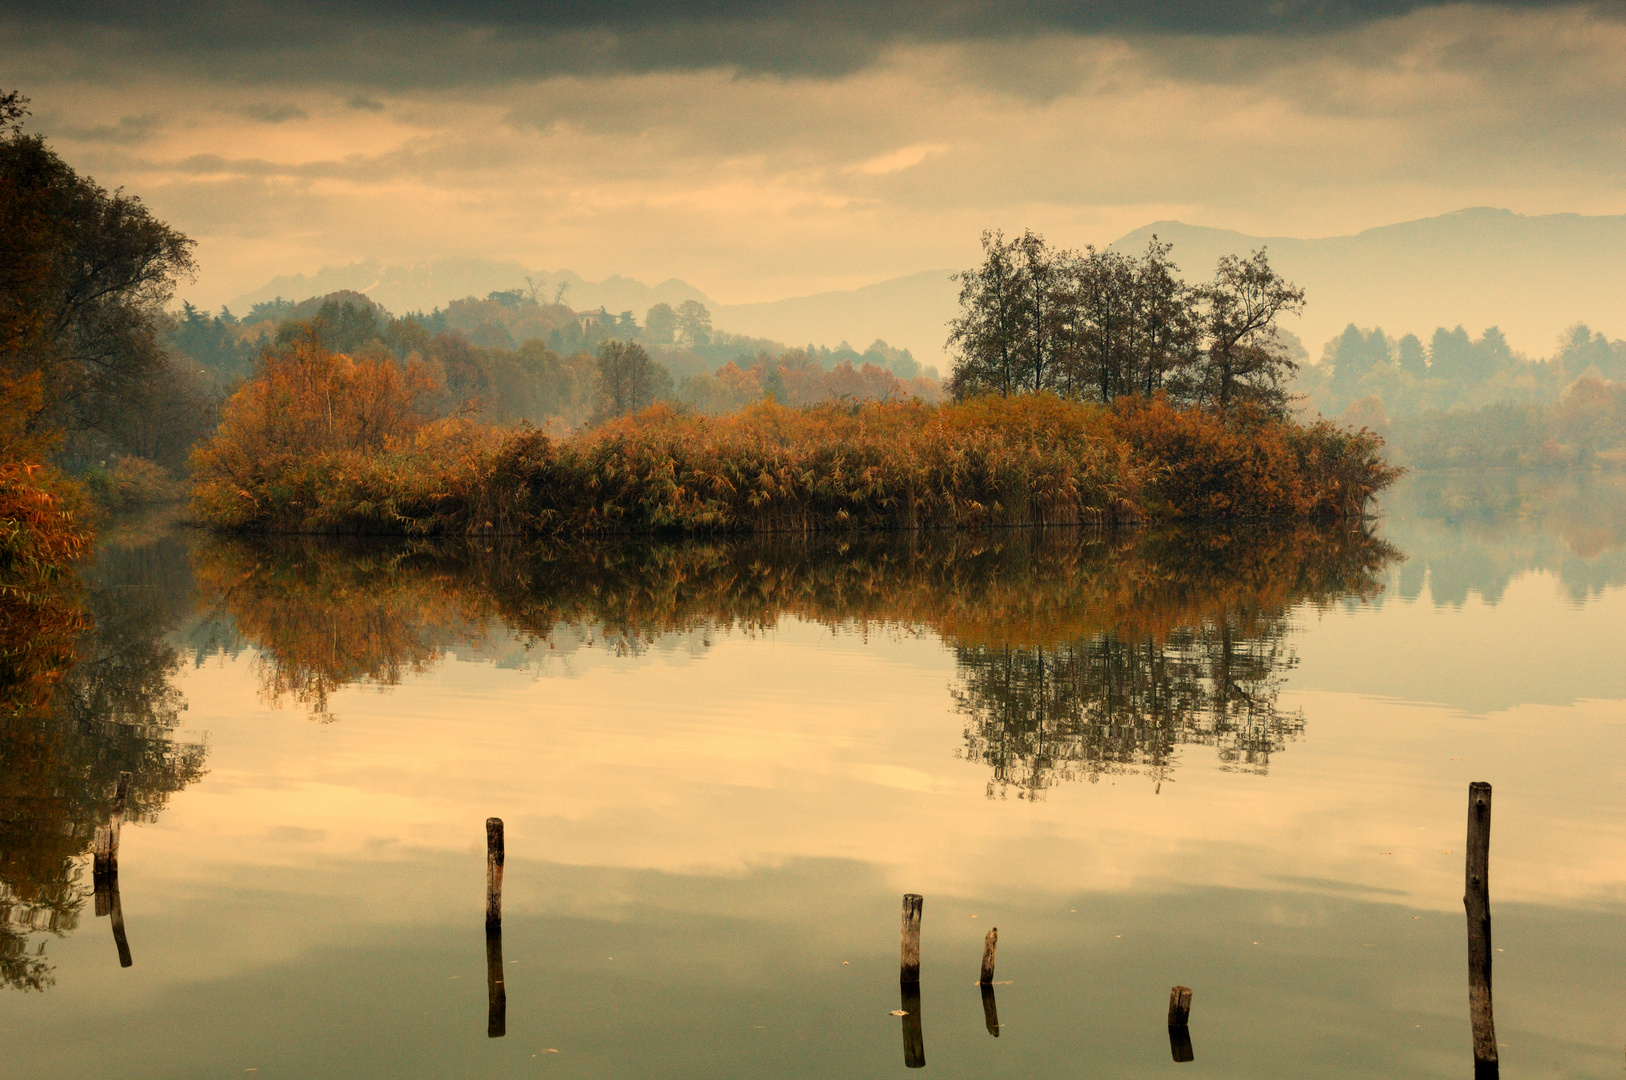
909,964
1179,1006
105,853
1476,899
494,859
989,944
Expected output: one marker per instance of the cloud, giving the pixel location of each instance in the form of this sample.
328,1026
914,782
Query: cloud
424,133
420,43
273,114
906,157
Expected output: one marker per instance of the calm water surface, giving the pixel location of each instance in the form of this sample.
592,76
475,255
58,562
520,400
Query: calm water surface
1236,760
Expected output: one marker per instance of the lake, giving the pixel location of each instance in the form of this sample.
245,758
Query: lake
1235,759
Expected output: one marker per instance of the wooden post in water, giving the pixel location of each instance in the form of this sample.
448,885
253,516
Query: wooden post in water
1179,1016
105,860
1180,1006
909,965
989,944
105,869
496,989
1476,899
494,857
914,1037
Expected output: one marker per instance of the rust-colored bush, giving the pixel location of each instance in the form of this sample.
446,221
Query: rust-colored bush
1032,460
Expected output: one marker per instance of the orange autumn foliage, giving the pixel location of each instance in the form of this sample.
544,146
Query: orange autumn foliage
321,443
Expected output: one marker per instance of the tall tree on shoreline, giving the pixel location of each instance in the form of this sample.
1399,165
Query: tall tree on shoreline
84,274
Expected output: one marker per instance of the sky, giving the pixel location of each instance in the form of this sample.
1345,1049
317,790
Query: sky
762,150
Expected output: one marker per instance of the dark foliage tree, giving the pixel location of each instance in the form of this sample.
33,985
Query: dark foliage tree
1244,358
986,337
1103,325
83,277
628,381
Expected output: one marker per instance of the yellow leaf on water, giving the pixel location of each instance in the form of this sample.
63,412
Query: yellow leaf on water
897,1012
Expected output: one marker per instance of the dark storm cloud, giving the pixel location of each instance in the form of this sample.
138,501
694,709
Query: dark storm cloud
402,43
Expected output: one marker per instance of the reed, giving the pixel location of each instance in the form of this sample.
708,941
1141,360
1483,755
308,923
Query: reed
1033,460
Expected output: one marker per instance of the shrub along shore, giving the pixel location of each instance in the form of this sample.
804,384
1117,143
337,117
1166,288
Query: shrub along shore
993,461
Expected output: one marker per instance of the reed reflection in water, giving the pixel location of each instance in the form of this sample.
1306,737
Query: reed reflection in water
1079,653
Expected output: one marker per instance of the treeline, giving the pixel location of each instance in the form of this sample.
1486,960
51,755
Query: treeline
510,359
1364,367
1101,325
1473,402
1586,428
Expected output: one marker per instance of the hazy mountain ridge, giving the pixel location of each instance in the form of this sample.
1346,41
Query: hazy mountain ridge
1531,275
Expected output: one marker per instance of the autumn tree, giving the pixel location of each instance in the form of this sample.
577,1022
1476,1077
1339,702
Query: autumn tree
628,381
1244,358
83,278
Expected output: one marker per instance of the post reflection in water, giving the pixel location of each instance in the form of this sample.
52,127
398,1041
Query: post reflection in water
990,1010
67,735
914,1037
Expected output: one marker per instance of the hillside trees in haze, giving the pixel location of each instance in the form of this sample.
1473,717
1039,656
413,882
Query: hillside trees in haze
1102,325
1453,371
627,380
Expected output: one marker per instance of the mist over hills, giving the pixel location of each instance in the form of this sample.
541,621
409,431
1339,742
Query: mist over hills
426,286
1531,276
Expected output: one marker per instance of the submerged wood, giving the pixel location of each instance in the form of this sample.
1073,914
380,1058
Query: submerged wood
989,943
914,1037
1476,901
909,961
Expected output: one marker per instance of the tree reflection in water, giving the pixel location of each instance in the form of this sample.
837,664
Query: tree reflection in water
65,738
1079,653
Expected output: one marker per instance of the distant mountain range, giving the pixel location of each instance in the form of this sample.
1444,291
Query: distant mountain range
1532,276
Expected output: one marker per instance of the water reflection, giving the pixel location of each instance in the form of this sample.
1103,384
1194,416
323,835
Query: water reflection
65,742
1079,654
1475,533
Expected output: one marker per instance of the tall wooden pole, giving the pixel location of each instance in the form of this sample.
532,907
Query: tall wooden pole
909,963
1476,899
105,860
989,944
494,858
